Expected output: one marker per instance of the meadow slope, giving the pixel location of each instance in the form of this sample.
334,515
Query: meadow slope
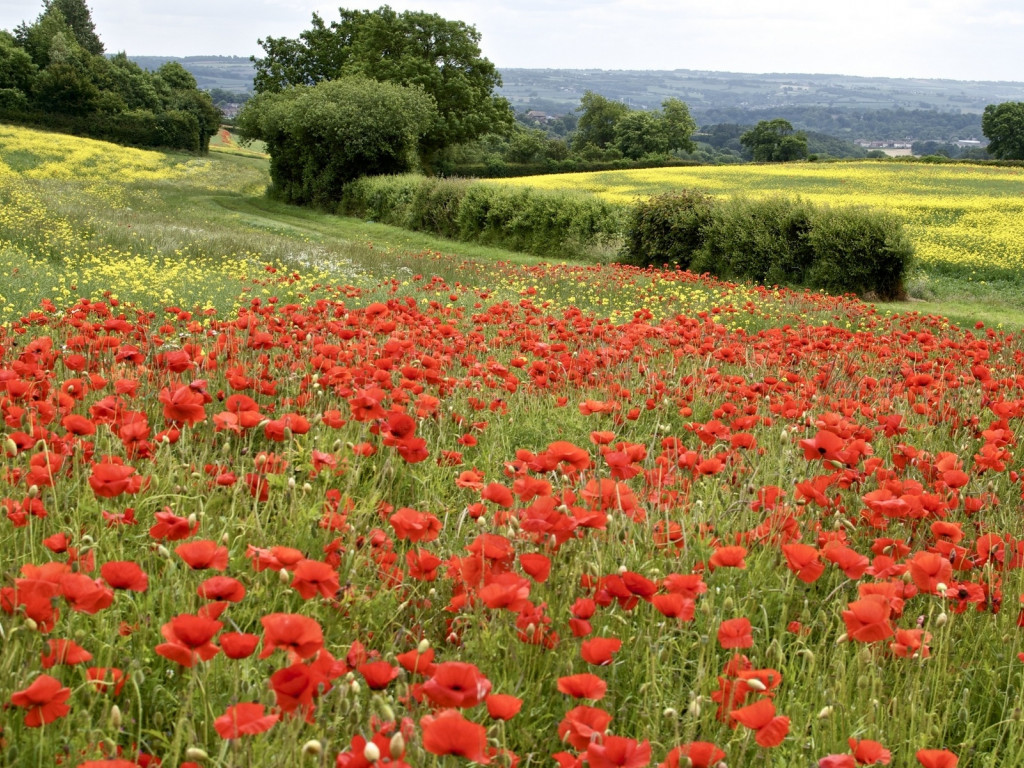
270,497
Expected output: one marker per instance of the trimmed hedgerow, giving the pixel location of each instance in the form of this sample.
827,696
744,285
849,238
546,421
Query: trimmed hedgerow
773,241
559,224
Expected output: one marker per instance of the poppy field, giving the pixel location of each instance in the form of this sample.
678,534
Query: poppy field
415,509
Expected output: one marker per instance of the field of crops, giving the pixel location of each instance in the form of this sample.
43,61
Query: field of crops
966,221
304,504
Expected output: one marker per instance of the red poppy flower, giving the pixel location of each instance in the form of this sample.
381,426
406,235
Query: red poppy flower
238,645
222,588
583,686
84,594
106,679
803,560
411,525
378,674
456,684
868,752
728,557
244,719
867,619
449,733
202,554
110,479
300,635
63,651
735,633
936,758
417,663
171,527
503,706
599,650
314,577
701,754
43,701
536,565
760,717
618,752
583,724
189,638
125,574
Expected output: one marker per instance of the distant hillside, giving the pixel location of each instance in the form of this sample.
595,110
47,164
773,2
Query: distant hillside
841,105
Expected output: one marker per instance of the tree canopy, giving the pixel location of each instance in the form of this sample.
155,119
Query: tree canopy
608,124
412,48
322,136
53,73
775,141
1003,126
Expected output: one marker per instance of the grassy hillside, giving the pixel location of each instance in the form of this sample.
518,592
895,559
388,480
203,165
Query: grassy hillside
275,493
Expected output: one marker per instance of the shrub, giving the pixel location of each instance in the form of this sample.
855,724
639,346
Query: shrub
859,250
666,229
761,240
773,241
559,224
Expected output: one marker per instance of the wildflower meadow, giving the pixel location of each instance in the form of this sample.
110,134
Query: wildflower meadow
267,498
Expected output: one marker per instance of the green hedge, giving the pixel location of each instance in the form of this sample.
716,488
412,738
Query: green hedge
557,224
774,241
175,129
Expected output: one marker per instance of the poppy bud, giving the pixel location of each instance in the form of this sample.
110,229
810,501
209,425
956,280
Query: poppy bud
284,576
10,447
757,685
354,686
424,646
397,746
371,752
195,753
825,712
115,717
31,624
693,709
306,487
941,619
33,491
669,713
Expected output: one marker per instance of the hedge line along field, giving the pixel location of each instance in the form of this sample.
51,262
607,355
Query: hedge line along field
417,510
967,221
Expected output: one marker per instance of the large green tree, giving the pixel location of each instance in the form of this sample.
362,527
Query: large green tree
320,137
1003,126
596,126
775,141
412,48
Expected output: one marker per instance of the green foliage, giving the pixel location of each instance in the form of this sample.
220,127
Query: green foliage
596,126
773,241
606,125
762,240
324,136
774,141
1003,126
411,49
667,229
859,250
78,16
557,224
53,74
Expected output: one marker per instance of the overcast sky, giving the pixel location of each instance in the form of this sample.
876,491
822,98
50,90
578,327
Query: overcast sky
954,39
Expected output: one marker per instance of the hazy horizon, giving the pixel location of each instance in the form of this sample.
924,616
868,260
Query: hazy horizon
968,40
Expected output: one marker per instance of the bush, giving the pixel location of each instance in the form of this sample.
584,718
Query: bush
859,250
558,224
761,240
667,229
773,241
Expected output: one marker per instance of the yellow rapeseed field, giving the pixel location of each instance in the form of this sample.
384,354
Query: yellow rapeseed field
962,218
